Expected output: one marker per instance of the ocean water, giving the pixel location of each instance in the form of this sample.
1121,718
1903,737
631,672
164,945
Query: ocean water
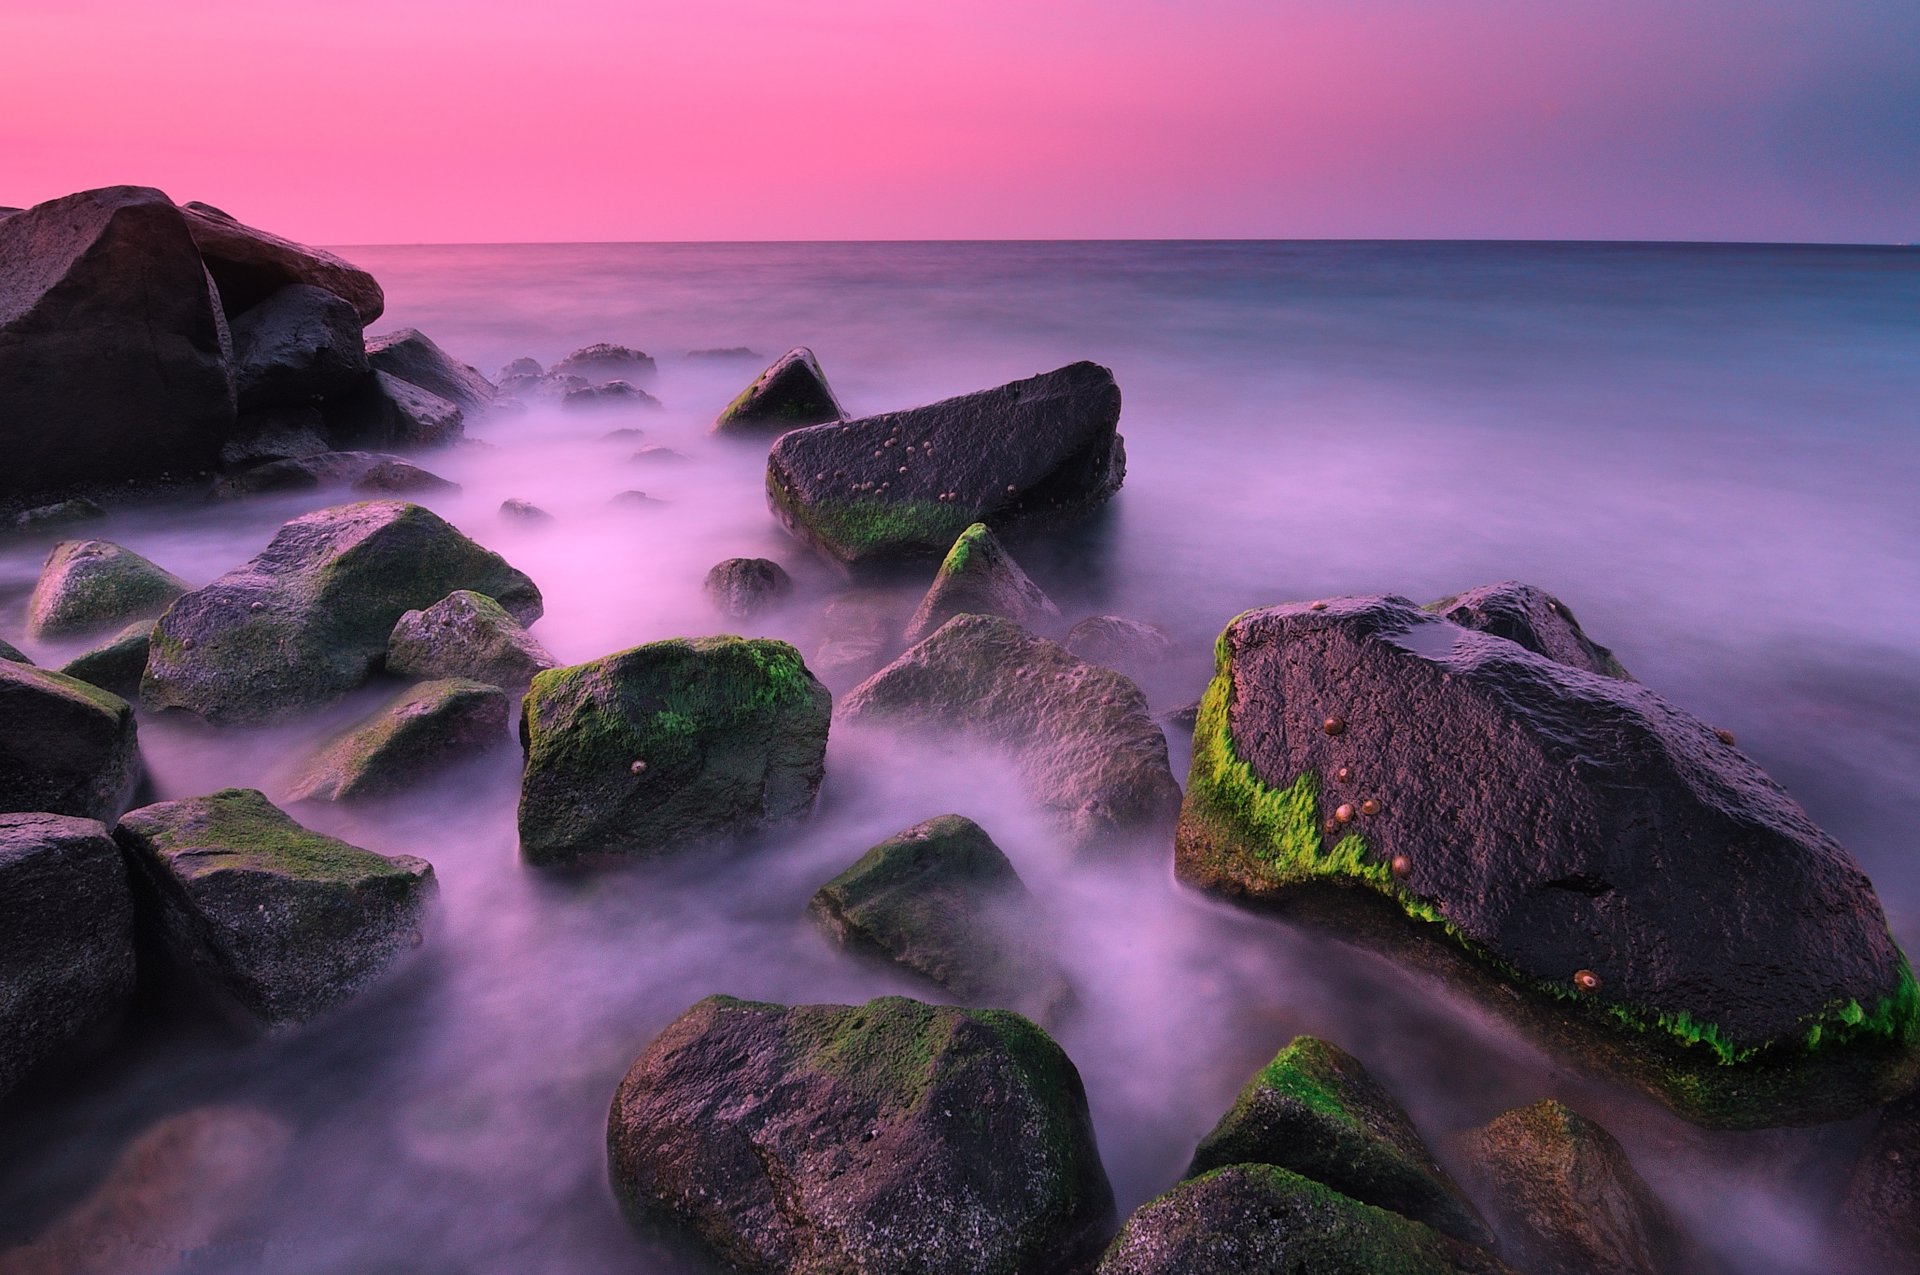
1710,452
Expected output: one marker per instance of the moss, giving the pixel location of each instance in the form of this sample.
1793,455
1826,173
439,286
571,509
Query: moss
73,687
877,523
1291,1074
956,559
238,828
884,1049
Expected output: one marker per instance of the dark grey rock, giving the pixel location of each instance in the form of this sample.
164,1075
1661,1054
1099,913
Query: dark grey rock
251,265
276,433
979,577
299,345
524,511
791,393
1130,646
605,362
87,586
356,470
407,355
742,588
466,635
61,513
115,664
612,396
1878,1226
66,747
414,736
1535,619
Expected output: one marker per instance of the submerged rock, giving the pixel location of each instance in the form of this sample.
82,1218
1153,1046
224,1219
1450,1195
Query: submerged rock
1087,751
415,735
66,747
327,469
1879,1219
90,585
251,265
301,344
1128,646
1030,455
791,393
857,633
1316,1111
890,1136
408,355
672,743
1456,797
979,577
518,368
466,634
741,588
524,511
285,922
1535,619
614,395
309,618
66,950
116,664
61,513
723,352
605,361
396,477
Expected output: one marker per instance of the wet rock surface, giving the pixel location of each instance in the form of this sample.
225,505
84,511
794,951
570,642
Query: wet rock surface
1132,647
388,411
1878,1222
613,396
742,588
409,355
300,345
1535,619
276,433
116,664
792,392
466,635
979,577
420,732
90,585
66,747
250,265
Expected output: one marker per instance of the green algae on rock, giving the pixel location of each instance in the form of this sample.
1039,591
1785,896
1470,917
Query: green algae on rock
90,585
117,663
66,746
466,634
979,577
420,732
792,392
649,750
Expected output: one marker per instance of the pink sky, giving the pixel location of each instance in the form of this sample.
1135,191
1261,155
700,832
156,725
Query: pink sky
362,122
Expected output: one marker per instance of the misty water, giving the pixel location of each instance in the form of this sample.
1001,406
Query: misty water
1711,453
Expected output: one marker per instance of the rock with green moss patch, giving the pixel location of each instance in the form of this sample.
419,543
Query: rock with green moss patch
419,733
66,746
1566,1201
1317,1111
1661,906
890,1136
309,618
979,577
791,393
466,634
1535,619
1086,749
667,745
87,586
1031,455
116,664
1259,1219
282,921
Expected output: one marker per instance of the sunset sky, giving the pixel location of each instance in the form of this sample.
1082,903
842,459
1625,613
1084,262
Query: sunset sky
363,122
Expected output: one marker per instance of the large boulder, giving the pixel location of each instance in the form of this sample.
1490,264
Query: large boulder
408,355
1086,749
66,950
308,619
116,356
979,577
117,663
647,751
886,1137
251,265
90,585
276,433
1535,619
791,393
66,747
741,588
283,922
415,735
299,345
1033,454
1656,900
466,634
386,411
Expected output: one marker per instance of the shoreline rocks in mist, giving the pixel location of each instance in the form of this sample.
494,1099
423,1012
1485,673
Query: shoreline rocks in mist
742,588
979,577
409,355
1133,647
792,392
466,635
609,396
66,747
421,731
1878,1221
88,586
360,471
604,361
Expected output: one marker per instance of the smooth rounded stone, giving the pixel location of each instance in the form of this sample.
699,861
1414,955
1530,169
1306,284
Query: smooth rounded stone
524,511
90,585
61,513
605,361
741,588
1535,619
1087,751
1024,457
66,950
117,663
1879,1218
625,433
1568,845
1566,1201
1317,1111
8,651
790,393
1132,647
887,1137
326,469
300,344
612,396
276,433
408,355
979,577
394,476
251,265
466,634
118,359
521,367
941,900
66,747
420,732
308,619
283,921
647,751
1258,1219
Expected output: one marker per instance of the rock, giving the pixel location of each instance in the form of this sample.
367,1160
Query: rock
1183,718
1031,455
791,393
284,921
622,435
8,651
393,476
519,368
654,454
724,352
251,265
605,362
1565,1200
647,751
66,951
90,585
637,500
979,577
1316,1111
386,411
118,360
66,748
421,731
407,355
893,1136
1535,619
1257,1219
524,511
308,619
327,469
300,344
276,433
1087,751
116,664
1879,1219
742,588
1128,646
858,633
61,513
1658,904
466,634
941,900
616,395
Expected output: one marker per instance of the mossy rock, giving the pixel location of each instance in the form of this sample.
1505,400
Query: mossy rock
890,1136
791,393
466,634
979,577
281,921
1317,1111
1533,618
668,745
91,585
414,736
12,653
117,664
1259,1219
309,618
66,746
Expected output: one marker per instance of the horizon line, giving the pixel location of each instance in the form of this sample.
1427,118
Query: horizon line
1150,239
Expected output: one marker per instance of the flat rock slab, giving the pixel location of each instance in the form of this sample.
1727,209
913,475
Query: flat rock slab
419,733
791,393
251,265
979,577
466,634
359,470
90,585
604,361
66,747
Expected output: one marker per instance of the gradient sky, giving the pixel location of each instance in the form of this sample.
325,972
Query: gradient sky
430,121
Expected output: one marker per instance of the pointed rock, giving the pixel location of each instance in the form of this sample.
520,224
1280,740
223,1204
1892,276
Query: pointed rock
90,585
979,577
116,664
1131,646
8,651
251,265
1535,619
791,393
407,355
466,634
66,747
415,735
